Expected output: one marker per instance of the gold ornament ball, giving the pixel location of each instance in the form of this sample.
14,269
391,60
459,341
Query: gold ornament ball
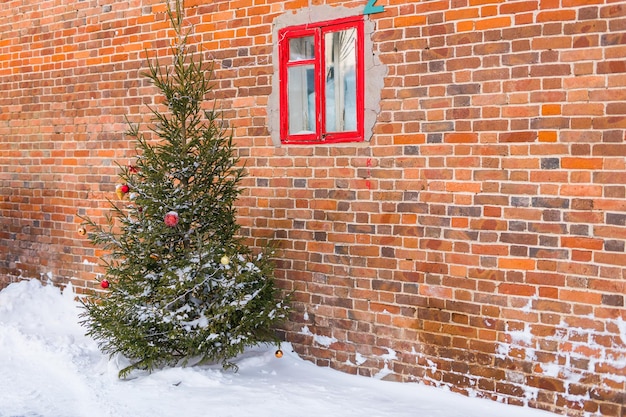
82,231
225,260
279,353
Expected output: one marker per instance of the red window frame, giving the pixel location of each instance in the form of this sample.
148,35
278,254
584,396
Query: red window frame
318,30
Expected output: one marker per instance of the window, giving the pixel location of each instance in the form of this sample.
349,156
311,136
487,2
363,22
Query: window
321,82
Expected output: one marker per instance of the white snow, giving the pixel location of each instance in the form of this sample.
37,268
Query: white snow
317,338
48,368
621,324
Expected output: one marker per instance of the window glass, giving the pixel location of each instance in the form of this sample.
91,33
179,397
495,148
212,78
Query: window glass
301,97
340,80
302,48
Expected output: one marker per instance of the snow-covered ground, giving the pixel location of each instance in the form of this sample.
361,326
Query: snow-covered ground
48,368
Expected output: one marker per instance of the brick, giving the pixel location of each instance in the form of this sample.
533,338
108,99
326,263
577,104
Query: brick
616,10
403,21
584,297
550,163
556,16
611,67
610,258
613,39
613,300
460,138
582,163
547,136
550,202
614,246
607,177
516,263
515,137
608,150
551,109
517,289
493,23
616,219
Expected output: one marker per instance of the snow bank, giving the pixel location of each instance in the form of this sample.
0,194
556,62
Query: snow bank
48,368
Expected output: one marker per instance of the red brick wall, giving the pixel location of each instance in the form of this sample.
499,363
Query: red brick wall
476,242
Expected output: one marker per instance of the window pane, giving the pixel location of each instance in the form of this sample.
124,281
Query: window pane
340,76
301,97
302,48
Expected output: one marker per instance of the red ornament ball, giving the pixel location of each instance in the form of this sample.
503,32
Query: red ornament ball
104,284
171,219
125,188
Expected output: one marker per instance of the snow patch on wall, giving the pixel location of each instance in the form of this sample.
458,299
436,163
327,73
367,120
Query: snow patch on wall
360,359
529,305
579,352
599,348
387,357
319,339
621,325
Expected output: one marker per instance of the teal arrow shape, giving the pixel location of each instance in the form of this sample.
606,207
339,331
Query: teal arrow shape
370,8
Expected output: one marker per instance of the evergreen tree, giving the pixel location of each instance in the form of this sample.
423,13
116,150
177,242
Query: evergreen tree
181,284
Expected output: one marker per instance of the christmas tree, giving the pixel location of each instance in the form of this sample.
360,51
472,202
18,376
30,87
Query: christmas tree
180,283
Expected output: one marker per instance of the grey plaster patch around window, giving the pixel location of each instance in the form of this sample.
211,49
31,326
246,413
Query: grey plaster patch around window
375,71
